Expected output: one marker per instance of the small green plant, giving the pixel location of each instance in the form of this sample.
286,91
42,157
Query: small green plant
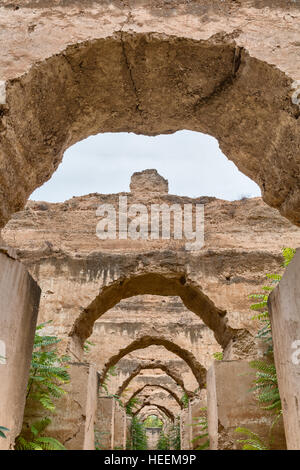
131,405
104,386
266,383
175,442
3,430
48,371
87,346
201,422
36,440
252,441
185,400
138,435
218,356
163,442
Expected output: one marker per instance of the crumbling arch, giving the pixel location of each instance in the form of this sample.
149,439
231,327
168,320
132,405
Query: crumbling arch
149,411
161,84
162,408
160,397
167,389
169,282
198,370
154,365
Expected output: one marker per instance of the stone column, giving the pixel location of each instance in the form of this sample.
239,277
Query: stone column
284,309
230,404
105,423
119,428
153,435
185,429
74,421
19,302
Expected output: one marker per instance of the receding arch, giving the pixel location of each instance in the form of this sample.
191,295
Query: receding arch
198,370
167,389
169,282
153,410
130,82
154,365
162,408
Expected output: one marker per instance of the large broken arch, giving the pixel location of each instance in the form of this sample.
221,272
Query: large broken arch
150,83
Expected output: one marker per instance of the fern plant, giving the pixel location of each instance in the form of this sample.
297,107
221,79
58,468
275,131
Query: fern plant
266,383
138,435
202,423
131,405
185,400
48,372
163,442
104,385
3,430
252,441
175,442
36,439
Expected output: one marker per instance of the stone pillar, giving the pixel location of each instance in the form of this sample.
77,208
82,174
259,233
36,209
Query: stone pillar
119,428
231,405
197,410
19,302
185,429
74,421
128,429
153,435
105,423
284,309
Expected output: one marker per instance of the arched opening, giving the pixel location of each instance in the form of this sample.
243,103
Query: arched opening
216,92
168,390
198,370
156,365
162,408
162,83
164,284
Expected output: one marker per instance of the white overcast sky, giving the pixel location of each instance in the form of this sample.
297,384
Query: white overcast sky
192,162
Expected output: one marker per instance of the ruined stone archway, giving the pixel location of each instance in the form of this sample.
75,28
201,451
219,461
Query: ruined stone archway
154,365
150,77
198,370
160,397
167,389
162,408
167,283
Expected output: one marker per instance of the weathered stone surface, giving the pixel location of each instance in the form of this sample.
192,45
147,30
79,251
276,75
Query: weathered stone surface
153,435
159,397
19,302
70,267
119,428
150,68
230,404
284,308
105,423
152,372
75,414
185,429
149,389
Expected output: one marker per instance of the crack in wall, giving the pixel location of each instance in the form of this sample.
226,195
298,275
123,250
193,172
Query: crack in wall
130,73
227,81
